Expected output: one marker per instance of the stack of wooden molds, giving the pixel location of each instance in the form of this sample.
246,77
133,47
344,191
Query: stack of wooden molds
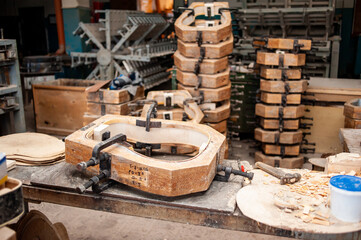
202,65
352,113
280,110
102,101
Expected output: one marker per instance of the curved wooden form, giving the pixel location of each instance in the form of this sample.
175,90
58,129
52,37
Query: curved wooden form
220,126
287,162
208,66
284,44
177,98
163,177
209,94
276,136
212,31
352,123
276,98
352,109
289,150
219,50
11,202
273,59
275,73
207,80
214,113
275,124
279,86
268,111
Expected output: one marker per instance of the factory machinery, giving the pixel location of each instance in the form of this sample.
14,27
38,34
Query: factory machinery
126,42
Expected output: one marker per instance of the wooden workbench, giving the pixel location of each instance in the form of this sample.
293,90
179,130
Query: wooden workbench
214,208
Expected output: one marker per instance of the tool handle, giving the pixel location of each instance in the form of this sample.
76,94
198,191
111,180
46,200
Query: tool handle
271,170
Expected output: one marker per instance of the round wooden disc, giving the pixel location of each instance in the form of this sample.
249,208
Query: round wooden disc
34,145
37,226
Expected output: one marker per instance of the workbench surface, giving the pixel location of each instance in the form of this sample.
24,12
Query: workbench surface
215,207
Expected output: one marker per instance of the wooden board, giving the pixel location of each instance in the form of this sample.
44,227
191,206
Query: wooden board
274,124
273,59
274,73
207,80
268,111
289,150
209,94
60,105
285,44
333,89
218,50
327,122
276,136
208,66
352,123
276,161
218,114
189,33
263,210
279,86
276,98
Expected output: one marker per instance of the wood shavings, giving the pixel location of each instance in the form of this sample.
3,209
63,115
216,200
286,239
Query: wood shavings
320,222
306,218
306,210
282,204
352,173
287,210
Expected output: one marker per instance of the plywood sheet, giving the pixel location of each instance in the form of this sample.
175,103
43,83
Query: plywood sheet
327,122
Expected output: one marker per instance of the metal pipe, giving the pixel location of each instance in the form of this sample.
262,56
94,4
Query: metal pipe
60,27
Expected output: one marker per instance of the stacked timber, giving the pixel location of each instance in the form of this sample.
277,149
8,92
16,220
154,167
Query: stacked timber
102,101
352,113
280,110
205,40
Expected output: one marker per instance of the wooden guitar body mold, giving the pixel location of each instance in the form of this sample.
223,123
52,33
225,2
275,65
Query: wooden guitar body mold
213,31
163,177
176,99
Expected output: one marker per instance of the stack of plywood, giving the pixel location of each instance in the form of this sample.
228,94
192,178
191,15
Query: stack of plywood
102,101
280,110
32,149
202,59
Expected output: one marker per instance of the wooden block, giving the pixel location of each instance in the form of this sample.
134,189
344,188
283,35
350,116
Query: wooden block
273,59
352,123
114,96
208,66
103,109
276,136
289,150
279,86
176,114
276,98
275,161
218,113
220,126
207,80
267,111
285,44
274,73
274,124
209,94
186,28
218,50
343,162
352,109
60,105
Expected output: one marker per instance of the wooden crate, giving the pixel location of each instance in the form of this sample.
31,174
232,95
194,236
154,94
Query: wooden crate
60,105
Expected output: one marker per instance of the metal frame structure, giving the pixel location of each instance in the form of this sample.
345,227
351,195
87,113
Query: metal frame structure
123,39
